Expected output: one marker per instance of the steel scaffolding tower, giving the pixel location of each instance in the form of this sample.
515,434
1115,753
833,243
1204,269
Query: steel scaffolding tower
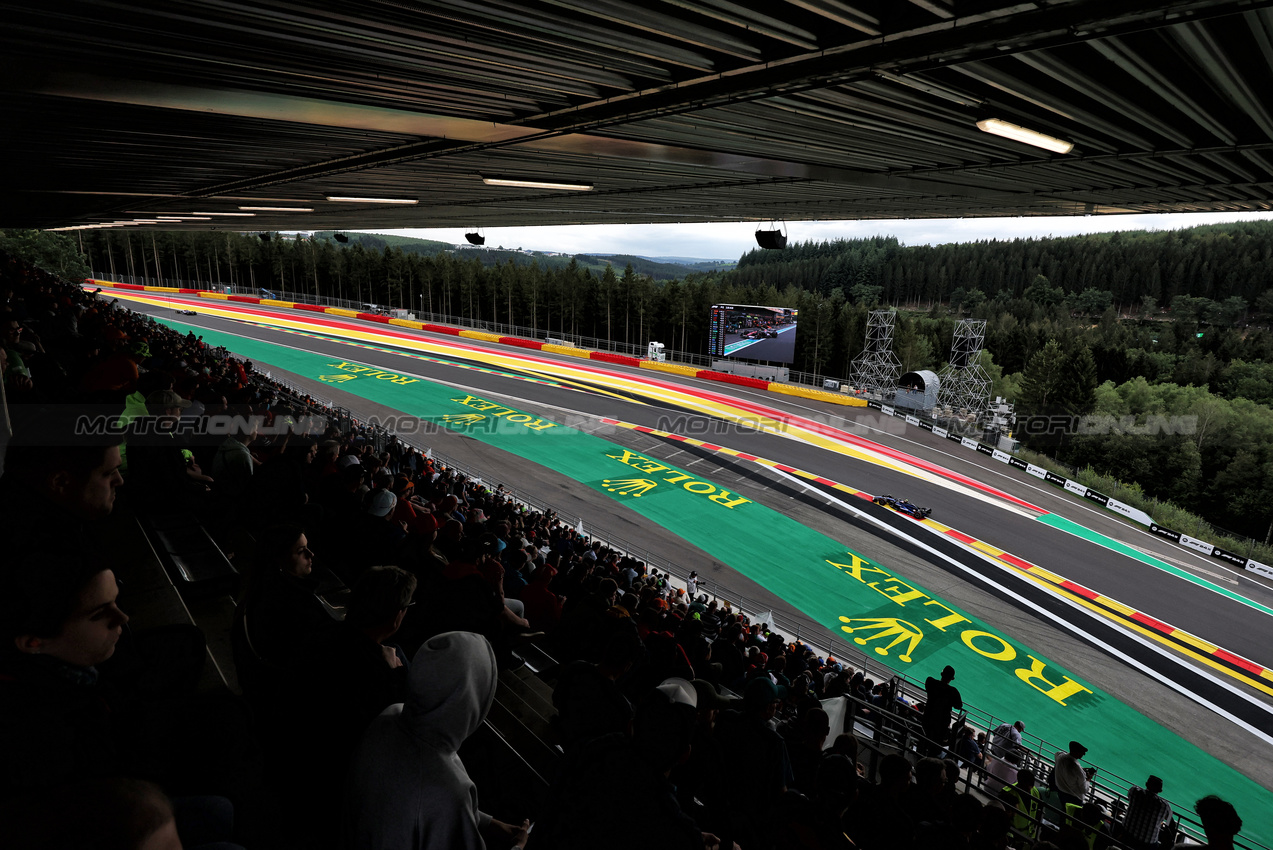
965,386
877,368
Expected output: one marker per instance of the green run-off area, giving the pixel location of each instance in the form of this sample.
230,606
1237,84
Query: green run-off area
870,606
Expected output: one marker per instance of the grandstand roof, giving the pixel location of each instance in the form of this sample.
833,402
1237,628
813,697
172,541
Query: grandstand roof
673,110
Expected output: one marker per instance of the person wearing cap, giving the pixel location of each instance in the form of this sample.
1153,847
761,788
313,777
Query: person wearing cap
1005,742
1146,814
754,749
1069,778
381,538
1023,797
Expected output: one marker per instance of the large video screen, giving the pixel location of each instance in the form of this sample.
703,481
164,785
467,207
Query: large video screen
747,332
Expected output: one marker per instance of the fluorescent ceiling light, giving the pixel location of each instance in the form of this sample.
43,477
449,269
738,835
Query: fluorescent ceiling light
170,213
1017,133
537,184
279,209
347,200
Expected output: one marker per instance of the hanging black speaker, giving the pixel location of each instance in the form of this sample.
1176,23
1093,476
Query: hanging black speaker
771,239
265,237
475,238
340,237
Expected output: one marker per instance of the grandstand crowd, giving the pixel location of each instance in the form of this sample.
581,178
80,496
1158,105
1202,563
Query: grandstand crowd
381,598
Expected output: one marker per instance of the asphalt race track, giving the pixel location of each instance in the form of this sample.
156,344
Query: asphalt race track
1147,676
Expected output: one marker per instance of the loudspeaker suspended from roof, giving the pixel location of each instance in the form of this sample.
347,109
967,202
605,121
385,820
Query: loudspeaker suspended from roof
476,237
773,239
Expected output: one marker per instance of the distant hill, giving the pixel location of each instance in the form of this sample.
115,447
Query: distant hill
680,261
658,268
653,267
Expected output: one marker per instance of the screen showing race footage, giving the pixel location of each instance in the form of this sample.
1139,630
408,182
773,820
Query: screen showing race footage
748,332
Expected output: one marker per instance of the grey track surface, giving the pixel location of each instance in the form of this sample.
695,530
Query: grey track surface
1206,614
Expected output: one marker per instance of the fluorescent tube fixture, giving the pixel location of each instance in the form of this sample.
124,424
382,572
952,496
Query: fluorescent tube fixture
1017,133
191,214
279,209
537,184
343,199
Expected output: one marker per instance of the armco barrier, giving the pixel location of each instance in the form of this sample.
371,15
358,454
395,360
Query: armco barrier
670,368
440,329
482,335
567,350
519,342
816,395
736,380
611,357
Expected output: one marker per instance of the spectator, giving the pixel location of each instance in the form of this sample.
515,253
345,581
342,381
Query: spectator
161,476
942,699
753,749
1220,822
702,786
967,750
1146,814
54,486
1023,799
1069,778
806,749
350,676
584,810
1083,827
543,607
587,697
233,464
283,613
408,788
885,821
122,814
59,621
1005,743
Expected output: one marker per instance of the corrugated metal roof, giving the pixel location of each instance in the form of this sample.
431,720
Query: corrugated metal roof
674,110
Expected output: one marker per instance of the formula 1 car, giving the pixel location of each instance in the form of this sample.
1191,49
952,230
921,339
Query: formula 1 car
903,506
187,313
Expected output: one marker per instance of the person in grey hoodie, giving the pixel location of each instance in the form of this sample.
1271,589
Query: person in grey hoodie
408,789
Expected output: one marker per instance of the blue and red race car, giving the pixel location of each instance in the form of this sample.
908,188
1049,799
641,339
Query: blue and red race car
903,506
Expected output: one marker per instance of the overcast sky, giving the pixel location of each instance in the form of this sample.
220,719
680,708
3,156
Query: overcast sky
730,240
